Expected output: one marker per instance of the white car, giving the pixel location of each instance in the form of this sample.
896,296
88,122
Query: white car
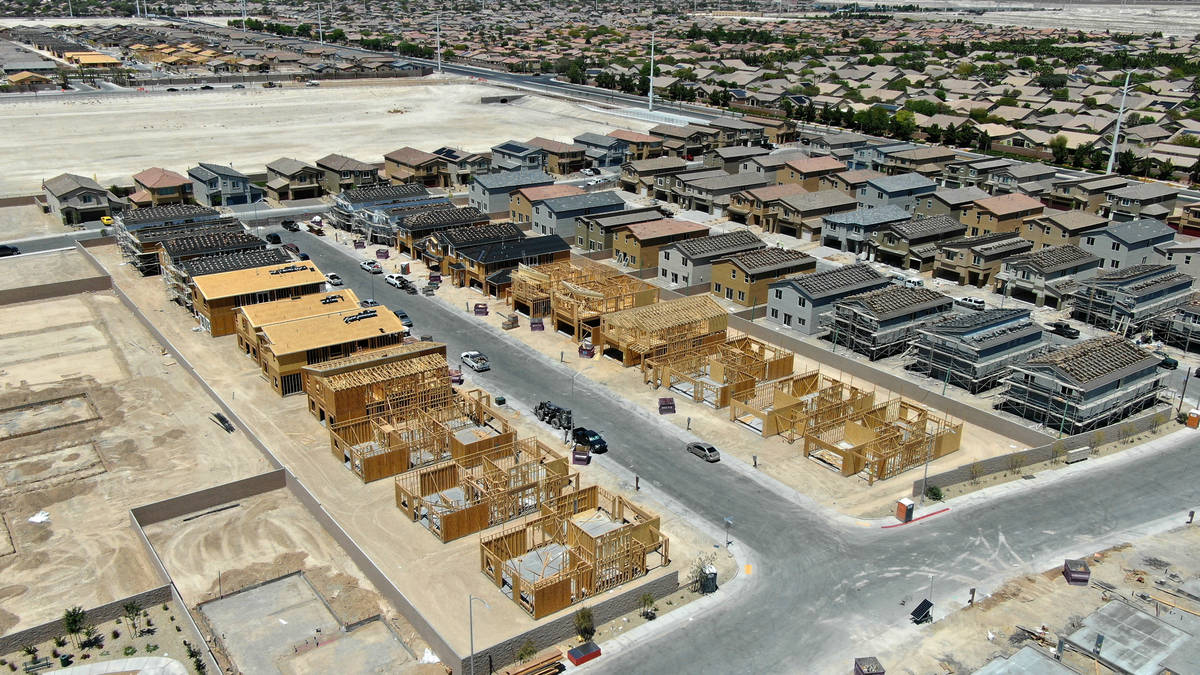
971,303
393,280
370,266
476,361
333,279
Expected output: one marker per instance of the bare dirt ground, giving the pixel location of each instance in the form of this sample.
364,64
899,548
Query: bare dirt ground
43,268
968,638
1172,18
146,438
429,573
22,222
113,137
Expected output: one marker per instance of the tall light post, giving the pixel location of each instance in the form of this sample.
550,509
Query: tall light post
1112,154
439,42
650,93
471,618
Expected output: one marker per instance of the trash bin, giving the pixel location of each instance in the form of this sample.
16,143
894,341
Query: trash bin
708,579
403,268
500,400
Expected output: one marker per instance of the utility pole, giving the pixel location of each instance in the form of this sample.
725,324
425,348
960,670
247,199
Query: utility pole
651,87
243,15
1112,154
320,25
70,9
439,42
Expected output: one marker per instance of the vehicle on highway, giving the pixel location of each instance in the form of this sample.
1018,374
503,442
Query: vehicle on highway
395,280
172,89
206,87
704,451
239,86
289,225
404,318
1168,363
273,238
369,302
7,250
971,303
476,361
590,439
333,279
1063,329
370,266
312,83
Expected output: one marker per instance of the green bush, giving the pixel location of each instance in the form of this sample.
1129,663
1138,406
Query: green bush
130,650
934,492
585,624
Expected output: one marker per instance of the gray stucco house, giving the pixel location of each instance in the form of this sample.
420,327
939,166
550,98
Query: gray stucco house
804,303
557,215
490,192
78,199
689,262
220,185
851,231
1123,245
903,190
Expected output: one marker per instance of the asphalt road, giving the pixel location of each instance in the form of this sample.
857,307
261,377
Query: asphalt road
824,590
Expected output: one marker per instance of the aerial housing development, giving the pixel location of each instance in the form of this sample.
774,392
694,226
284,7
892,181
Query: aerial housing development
699,338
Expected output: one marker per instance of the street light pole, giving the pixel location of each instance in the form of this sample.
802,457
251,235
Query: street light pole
1112,154
471,618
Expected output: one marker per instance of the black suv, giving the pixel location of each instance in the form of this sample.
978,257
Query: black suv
592,440
1064,329
290,226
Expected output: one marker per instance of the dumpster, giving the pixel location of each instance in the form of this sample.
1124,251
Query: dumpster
360,244
381,254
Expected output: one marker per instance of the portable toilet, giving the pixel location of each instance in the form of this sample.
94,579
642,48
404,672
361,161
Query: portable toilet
904,509
1193,419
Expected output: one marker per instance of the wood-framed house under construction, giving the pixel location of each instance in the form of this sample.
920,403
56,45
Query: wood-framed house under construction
286,347
713,373
574,294
582,544
215,297
660,329
790,406
358,385
462,496
252,318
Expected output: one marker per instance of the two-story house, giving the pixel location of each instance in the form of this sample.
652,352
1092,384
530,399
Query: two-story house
558,215
639,176
289,178
517,156
686,142
1045,276
341,173
768,165
729,158
490,193
743,278
1189,222
875,156
928,161
602,151
489,267
560,159
885,321
1183,253
975,260
410,165
160,187
912,244
1140,200
849,182
801,215
1057,228
831,144
689,262
1019,178
902,190
638,146
734,131
953,202
595,233
1124,244
1002,213
219,185
637,245
972,172
759,206
459,167
348,206
1083,194
805,302
851,230
522,201
78,199
711,195
1125,300
807,172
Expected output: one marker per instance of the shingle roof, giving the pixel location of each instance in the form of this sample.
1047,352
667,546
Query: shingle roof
814,164
234,261
823,199
514,251
1102,358
901,182
338,162
64,183
1003,205
767,260
556,147
1054,258
379,193
893,301
588,200
221,170
407,156
288,166
960,196
923,227
839,281
633,136
157,177
658,164
1143,191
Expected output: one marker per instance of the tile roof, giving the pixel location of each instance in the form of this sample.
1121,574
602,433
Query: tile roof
1054,258
663,227
1143,191
767,260
960,196
718,244
845,280
538,193
232,262
772,192
821,200
869,217
379,193
64,183
1004,205
901,182
658,164
336,162
808,165
407,156
1095,359
156,177
289,167
633,136
554,146
892,301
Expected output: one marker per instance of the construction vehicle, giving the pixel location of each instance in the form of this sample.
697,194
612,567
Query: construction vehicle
556,416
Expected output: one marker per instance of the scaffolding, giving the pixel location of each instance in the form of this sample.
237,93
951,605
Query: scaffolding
713,373
975,351
884,322
1181,327
576,293
883,440
581,544
459,497
1124,301
790,407
395,440
661,329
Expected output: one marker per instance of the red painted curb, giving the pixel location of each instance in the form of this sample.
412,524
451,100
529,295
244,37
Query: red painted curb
927,515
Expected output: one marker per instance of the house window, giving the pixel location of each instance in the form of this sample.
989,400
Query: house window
778,294
800,321
579,241
666,255
1090,241
717,287
774,314
1116,246
674,278
728,293
787,319
741,296
733,274
664,274
1114,264
1187,260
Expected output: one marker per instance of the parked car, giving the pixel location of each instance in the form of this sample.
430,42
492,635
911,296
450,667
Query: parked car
913,282
239,86
477,361
7,250
370,266
971,303
206,86
304,256
1168,363
106,220
274,238
291,248
590,172
1063,329
395,280
289,225
403,316
172,89
704,451
312,83
592,440
333,279
369,302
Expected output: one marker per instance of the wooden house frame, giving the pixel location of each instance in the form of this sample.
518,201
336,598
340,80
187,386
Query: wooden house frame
789,407
462,496
582,544
422,432
381,380
713,373
660,329
882,441
576,293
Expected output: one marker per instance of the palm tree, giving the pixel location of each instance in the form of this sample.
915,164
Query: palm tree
72,621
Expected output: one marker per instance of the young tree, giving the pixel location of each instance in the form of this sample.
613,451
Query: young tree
647,601
585,625
73,621
527,651
1166,170
984,141
132,612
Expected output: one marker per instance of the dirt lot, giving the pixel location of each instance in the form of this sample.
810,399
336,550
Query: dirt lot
970,637
113,137
22,222
425,570
125,432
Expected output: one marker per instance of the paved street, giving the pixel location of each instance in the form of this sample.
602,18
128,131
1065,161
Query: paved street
823,589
